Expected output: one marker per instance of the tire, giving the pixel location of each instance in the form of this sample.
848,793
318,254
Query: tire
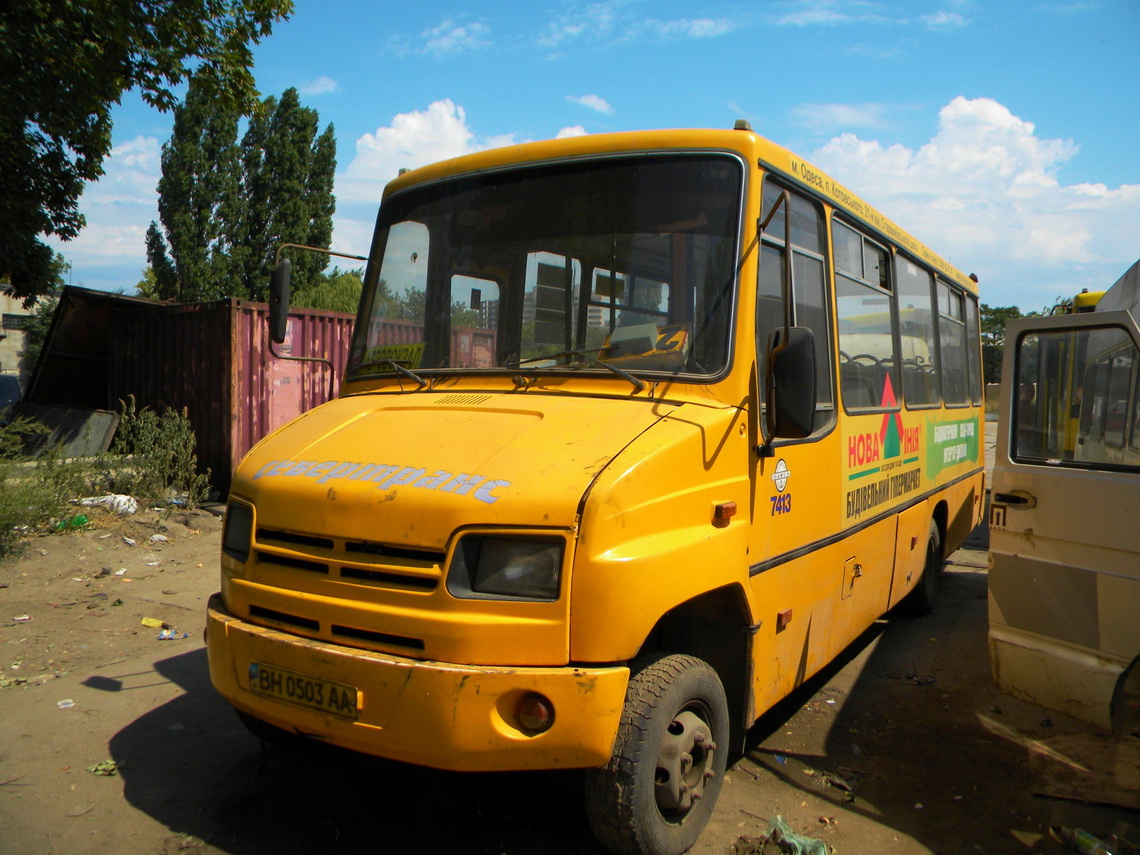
921,600
659,789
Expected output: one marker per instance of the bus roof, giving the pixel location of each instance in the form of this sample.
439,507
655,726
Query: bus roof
751,145
1124,294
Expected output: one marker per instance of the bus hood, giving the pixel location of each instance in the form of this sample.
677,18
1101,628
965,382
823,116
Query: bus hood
410,470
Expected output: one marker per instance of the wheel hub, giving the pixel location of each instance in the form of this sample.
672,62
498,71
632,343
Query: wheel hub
684,762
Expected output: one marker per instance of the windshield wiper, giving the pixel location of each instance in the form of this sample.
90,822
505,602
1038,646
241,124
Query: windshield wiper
638,384
395,366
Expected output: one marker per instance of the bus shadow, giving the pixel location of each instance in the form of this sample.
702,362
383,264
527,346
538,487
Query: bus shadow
906,731
191,766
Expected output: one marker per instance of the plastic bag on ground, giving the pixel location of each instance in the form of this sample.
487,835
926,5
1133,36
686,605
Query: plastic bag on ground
791,843
117,502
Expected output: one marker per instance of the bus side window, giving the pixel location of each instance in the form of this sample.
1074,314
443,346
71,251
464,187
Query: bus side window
916,334
973,353
868,369
809,289
952,341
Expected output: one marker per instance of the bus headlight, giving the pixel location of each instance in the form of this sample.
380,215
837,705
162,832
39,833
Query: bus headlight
237,533
506,568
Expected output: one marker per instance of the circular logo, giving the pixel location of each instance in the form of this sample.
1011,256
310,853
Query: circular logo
781,475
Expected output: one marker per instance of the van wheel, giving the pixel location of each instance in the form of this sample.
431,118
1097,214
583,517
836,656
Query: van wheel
659,789
920,601
1125,709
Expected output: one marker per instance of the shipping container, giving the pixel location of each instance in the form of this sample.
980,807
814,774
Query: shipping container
213,359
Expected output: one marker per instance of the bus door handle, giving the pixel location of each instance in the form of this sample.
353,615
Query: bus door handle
1018,500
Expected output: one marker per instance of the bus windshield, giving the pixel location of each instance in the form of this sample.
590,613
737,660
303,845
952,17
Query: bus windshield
625,263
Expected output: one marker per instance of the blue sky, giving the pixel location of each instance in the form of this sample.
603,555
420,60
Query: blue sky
1002,133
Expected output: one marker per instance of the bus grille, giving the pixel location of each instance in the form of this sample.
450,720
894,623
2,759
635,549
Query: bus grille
374,565
377,571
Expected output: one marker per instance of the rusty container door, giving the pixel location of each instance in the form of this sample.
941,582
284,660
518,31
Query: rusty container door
267,392
176,356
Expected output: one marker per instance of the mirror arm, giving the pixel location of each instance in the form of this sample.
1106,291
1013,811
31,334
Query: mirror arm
285,309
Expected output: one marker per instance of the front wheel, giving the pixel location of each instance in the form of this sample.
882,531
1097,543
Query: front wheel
659,789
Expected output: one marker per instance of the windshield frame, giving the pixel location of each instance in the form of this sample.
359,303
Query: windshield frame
725,301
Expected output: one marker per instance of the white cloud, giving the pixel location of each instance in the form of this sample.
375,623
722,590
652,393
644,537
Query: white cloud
827,117
353,235
698,28
617,21
592,102
812,17
131,174
452,36
413,139
944,21
596,21
985,192
812,13
572,131
320,86
118,207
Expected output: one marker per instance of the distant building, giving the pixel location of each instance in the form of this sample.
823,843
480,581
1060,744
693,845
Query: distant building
15,320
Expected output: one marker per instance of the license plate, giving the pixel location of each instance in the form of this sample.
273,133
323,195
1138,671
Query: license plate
323,695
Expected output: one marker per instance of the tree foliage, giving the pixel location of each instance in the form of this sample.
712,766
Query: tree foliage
198,187
993,321
64,64
225,207
286,193
35,333
337,291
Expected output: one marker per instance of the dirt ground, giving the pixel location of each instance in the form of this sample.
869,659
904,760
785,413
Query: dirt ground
903,746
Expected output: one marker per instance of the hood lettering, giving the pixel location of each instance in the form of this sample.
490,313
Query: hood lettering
478,487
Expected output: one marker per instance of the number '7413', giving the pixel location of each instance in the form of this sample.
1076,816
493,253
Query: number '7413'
782,504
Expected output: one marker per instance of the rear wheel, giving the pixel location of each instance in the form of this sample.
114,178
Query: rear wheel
920,601
659,789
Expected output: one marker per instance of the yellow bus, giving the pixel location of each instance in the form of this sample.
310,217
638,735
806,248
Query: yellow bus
639,431
1064,575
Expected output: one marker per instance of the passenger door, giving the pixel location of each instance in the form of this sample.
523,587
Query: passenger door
1065,554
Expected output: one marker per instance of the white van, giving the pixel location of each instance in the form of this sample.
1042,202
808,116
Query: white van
1064,582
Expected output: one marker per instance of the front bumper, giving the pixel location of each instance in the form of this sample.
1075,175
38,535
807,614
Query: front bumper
434,714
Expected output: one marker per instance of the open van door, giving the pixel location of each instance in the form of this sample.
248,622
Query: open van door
1064,579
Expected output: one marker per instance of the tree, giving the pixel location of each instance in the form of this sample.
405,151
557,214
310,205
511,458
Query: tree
286,194
199,185
335,292
62,68
225,209
35,334
148,285
993,321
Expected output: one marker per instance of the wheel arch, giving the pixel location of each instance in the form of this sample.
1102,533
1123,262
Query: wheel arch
941,516
716,627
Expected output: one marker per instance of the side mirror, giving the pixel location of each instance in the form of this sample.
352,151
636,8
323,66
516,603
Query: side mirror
279,301
791,383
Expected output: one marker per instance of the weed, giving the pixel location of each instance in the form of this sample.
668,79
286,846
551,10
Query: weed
159,456
34,494
152,459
